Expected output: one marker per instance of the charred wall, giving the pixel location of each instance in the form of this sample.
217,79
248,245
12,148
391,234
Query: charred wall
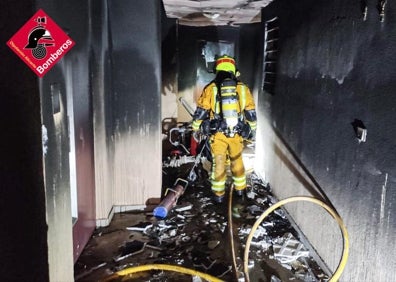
70,154
101,85
136,81
335,68
250,55
193,74
123,116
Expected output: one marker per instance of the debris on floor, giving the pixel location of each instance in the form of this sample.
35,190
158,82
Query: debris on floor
195,235
188,229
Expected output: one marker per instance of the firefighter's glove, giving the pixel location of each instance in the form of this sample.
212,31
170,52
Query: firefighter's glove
215,125
205,127
246,131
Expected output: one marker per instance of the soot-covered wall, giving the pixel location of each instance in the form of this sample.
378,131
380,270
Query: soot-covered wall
136,105
337,67
70,137
192,73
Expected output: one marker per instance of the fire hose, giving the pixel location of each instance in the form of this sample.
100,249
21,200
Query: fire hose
168,267
335,215
176,268
210,278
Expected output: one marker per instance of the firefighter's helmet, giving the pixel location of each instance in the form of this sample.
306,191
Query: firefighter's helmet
225,63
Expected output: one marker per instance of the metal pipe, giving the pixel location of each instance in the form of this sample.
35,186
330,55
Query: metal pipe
186,106
171,197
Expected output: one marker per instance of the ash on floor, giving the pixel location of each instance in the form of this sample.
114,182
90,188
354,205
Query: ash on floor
195,234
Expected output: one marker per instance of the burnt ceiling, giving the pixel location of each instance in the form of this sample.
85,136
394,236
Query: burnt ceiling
215,12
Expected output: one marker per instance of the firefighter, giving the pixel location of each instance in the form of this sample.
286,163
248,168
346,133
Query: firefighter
226,113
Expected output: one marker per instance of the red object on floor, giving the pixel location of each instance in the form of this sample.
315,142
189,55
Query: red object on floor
193,146
176,152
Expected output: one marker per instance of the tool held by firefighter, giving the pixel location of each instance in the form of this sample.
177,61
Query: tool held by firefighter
192,176
226,112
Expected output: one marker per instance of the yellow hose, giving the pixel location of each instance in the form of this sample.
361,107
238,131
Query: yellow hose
207,277
168,267
234,263
334,214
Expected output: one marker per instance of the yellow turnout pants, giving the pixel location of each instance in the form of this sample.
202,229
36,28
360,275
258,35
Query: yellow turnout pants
221,147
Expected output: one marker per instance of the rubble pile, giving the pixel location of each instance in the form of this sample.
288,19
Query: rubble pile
195,235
